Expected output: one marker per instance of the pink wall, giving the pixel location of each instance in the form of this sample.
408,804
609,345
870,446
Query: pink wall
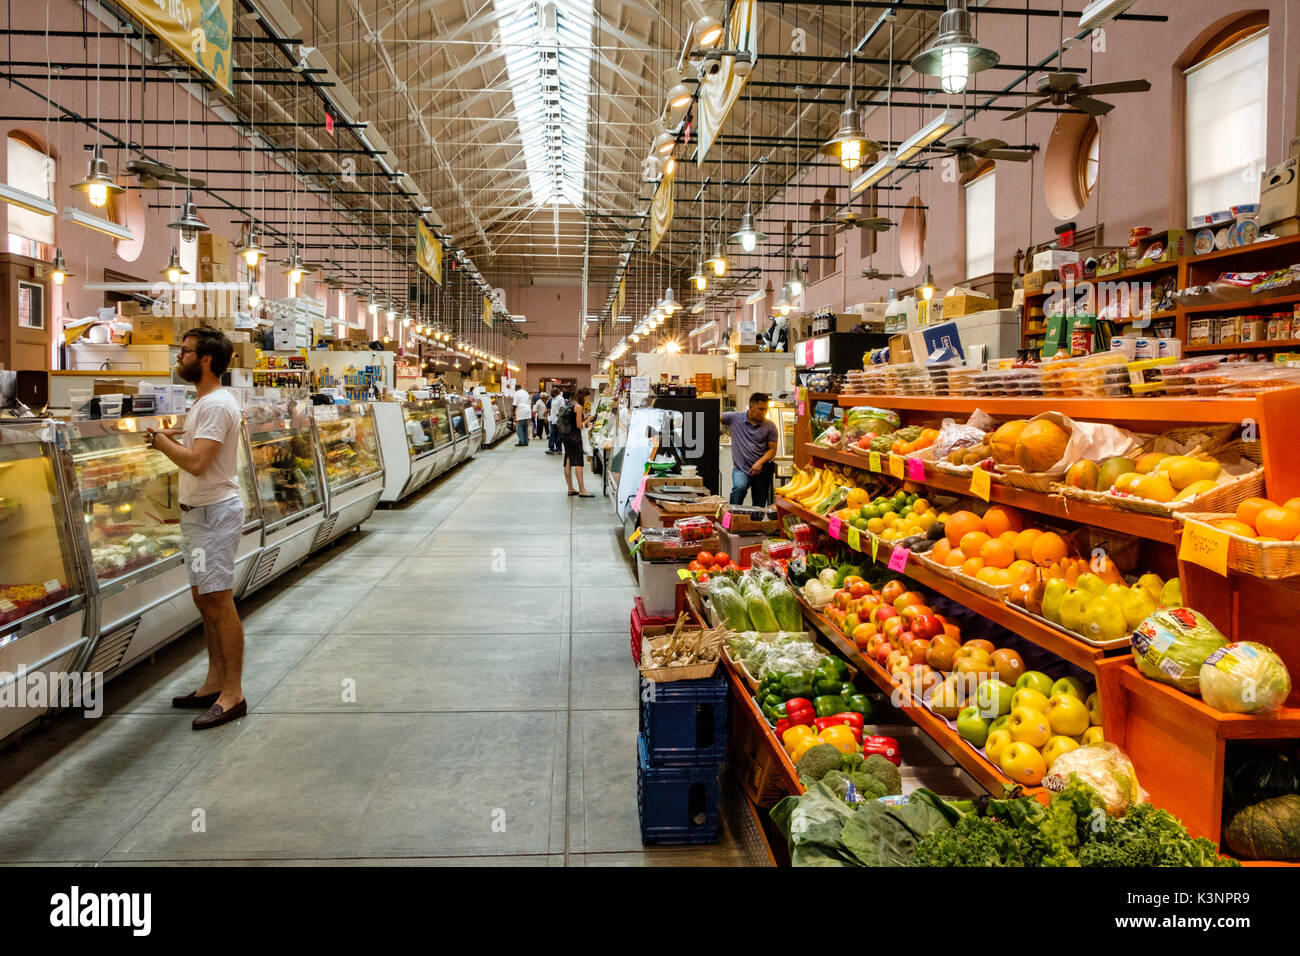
551,348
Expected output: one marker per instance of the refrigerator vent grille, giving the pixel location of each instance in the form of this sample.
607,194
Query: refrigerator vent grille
110,649
265,566
325,532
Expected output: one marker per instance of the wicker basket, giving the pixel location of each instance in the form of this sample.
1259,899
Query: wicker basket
1261,559
934,567
1224,497
1030,481
993,592
668,675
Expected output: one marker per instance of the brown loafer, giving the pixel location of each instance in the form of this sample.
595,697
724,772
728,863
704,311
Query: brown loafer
192,701
216,716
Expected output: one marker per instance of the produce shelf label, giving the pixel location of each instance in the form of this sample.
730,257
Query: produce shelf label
915,469
873,461
640,493
683,574
726,520
898,559
635,540
875,548
980,483
896,466
835,528
854,538
1205,546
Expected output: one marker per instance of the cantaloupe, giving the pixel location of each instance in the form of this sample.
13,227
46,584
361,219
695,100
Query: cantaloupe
1041,445
1003,442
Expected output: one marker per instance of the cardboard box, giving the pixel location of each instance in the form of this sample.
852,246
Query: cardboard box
674,481
1279,192
899,352
1036,281
213,248
244,355
957,306
214,272
1053,259
114,386
130,308
1287,227
149,329
168,399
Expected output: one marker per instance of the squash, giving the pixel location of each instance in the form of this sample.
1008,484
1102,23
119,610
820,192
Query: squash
1269,830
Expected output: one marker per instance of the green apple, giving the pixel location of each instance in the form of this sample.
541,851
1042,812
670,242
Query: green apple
1153,584
1093,735
1104,620
1073,613
999,723
1069,685
1094,708
993,698
1056,746
1035,680
1023,763
1067,715
996,745
1029,726
972,727
1028,697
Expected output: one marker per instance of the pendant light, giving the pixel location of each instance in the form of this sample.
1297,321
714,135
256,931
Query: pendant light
747,235
295,269
679,94
98,184
372,306
252,250
663,142
850,143
59,268
173,270
706,28
718,261
254,297
927,285
955,54
795,281
783,304
189,224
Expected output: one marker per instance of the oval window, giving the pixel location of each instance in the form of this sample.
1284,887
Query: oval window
128,211
911,238
1071,163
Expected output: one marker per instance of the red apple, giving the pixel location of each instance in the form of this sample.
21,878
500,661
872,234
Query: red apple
882,614
864,633
908,598
882,652
927,625
980,642
918,649
892,590
893,629
851,620
873,642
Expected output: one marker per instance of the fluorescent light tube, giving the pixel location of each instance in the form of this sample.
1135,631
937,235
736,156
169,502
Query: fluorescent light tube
1100,12
108,228
874,175
29,201
932,131
758,296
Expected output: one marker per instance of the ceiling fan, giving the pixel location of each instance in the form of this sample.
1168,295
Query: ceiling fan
294,259
1064,89
968,149
874,273
849,218
150,174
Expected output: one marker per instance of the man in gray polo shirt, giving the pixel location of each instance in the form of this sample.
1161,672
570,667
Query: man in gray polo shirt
753,446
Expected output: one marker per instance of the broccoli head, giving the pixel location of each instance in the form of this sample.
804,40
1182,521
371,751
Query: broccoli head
817,762
883,770
868,787
852,763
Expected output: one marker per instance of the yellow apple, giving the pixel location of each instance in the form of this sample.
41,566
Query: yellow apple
1093,735
1070,685
998,741
1023,763
1094,708
1057,746
1029,726
1028,697
1066,714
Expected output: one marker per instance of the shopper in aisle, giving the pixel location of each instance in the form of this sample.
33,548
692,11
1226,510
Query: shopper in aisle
539,414
553,444
523,415
212,519
753,446
573,419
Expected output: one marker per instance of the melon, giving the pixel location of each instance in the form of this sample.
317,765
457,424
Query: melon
1041,445
1003,442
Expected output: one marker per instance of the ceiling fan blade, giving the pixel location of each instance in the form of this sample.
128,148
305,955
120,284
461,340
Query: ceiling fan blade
985,145
966,163
1087,104
1025,110
1126,86
1008,155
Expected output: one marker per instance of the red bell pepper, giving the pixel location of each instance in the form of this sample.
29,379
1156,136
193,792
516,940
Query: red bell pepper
799,710
782,726
887,747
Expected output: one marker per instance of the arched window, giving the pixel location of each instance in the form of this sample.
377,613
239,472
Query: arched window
911,238
829,205
1089,162
815,242
31,169
1226,87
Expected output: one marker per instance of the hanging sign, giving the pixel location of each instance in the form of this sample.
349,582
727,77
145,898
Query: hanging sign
719,92
428,252
199,30
619,298
487,311
661,211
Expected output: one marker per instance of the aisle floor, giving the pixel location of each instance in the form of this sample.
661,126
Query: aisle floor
484,627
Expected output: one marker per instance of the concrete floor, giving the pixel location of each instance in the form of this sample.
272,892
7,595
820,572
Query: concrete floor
494,720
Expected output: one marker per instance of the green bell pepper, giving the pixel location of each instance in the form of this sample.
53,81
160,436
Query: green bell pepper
847,690
829,705
826,684
860,704
835,666
796,685
771,700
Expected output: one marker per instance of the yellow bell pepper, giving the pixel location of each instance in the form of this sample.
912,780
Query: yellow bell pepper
801,746
799,733
840,737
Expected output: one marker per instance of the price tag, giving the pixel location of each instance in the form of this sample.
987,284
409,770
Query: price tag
1205,546
835,528
52,585
896,466
801,408
635,540
640,493
898,558
875,548
855,538
7,605
683,574
873,461
915,469
726,520
980,483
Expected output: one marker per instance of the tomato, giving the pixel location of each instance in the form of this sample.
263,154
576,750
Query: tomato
694,566
721,560
702,577
705,558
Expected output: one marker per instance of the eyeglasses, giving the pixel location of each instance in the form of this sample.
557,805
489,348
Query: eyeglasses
186,348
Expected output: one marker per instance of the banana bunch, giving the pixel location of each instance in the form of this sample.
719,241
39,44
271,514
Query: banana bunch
810,487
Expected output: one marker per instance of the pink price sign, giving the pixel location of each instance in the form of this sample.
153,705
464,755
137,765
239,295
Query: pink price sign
915,469
898,559
835,528
726,520
640,493
802,409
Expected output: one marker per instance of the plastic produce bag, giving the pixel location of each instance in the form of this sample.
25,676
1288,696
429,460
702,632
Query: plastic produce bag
953,436
728,605
1171,645
1105,768
784,604
1244,678
759,611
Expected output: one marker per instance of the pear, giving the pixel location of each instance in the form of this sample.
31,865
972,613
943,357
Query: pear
1116,591
1154,584
1090,582
1104,620
1054,593
1112,469
1171,595
1137,605
1074,609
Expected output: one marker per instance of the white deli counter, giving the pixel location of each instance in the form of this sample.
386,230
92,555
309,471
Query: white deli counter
348,442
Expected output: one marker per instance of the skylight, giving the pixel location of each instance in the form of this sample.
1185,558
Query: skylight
548,60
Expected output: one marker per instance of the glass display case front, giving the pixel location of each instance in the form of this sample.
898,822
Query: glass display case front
284,458
459,420
349,444
38,550
428,426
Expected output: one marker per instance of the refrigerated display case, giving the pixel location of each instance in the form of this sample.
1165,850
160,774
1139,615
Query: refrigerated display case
353,463
498,417
784,416
456,407
416,441
45,611
128,498
287,482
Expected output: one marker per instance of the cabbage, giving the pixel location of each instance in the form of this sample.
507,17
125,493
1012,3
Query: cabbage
1244,678
1171,645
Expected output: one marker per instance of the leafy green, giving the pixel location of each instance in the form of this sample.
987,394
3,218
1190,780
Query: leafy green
812,824
886,834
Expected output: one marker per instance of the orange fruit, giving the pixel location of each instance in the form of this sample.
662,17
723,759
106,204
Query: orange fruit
998,519
1009,537
1048,547
1021,566
1296,538
960,524
1235,527
973,541
997,553
955,558
1249,509
1293,504
940,550
972,567
1282,523
1024,543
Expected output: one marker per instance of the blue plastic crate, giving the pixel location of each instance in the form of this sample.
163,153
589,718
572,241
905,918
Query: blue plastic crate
677,805
685,722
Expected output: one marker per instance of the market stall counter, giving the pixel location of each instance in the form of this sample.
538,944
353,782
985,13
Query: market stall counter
416,443
468,438
353,463
44,606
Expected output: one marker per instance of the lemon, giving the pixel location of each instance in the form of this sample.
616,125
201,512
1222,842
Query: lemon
876,525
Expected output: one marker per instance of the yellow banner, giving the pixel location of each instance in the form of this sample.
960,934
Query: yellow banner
661,211
487,311
428,252
718,93
199,30
619,298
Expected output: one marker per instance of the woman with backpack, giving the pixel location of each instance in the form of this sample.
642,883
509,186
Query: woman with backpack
573,419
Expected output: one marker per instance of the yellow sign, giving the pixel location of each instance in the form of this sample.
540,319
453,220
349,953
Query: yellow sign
855,538
199,30
896,466
428,252
619,297
661,211
875,547
980,483
719,92
487,311
1205,546
873,461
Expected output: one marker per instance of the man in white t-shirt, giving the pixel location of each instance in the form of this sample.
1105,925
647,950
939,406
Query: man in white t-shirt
523,414
212,519
557,407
